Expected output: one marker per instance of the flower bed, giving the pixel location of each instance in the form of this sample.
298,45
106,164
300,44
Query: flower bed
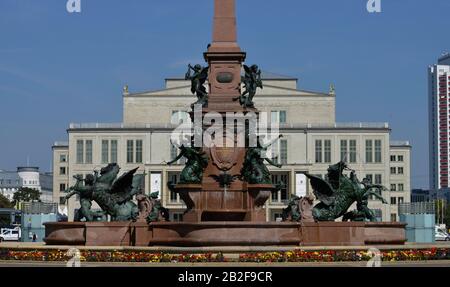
260,257
347,255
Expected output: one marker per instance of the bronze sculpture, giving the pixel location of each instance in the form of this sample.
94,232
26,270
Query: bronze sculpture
85,197
252,81
299,209
198,79
363,212
151,209
254,170
338,192
114,196
197,161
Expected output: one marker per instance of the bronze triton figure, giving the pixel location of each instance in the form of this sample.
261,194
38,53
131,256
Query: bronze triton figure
252,81
198,79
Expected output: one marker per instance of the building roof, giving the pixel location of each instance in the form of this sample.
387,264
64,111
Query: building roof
60,144
400,144
307,126
28,168
183,87
444,59
265,75
183,91
9,179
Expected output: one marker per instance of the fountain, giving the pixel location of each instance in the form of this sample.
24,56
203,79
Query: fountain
226,187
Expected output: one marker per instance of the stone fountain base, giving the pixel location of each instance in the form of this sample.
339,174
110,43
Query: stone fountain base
224,233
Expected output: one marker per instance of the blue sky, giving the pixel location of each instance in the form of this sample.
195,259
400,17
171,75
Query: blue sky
57,68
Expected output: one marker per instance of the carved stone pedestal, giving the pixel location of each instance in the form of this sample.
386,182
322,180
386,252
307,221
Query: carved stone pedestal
225,205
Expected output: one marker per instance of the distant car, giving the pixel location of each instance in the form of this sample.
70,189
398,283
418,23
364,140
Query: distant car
10,234
441,234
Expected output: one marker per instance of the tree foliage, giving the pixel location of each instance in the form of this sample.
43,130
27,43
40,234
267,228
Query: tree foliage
442,211
4,202
26,194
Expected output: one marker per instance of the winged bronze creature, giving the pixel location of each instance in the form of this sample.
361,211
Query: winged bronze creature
113,195
337,192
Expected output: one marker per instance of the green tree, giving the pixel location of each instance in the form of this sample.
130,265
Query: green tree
442,212
4,202
26,194
447,216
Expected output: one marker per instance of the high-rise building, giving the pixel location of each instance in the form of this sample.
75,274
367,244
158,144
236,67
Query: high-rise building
439,120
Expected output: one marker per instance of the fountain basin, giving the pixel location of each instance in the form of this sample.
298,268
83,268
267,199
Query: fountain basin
225,233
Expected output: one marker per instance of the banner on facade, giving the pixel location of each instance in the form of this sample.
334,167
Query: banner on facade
300,184
155,183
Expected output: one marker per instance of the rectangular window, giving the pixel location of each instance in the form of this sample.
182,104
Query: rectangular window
173,178
327,151
177,217
278,117
378,179
401,187
277,217
400,158
114,151
275,196
173,196
275,193
378,151
274,117
80,151
283,152
62,158
175,120
275,152
105,151
344,151
282,117
281,195
62,170
393,200
62,187
130,151
400,170
369,151
179,117
400,200
393,217
392,157
284,191
89,151
139,151
173,152
393,187
352,151
393,170
369,177
318,151
62,200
